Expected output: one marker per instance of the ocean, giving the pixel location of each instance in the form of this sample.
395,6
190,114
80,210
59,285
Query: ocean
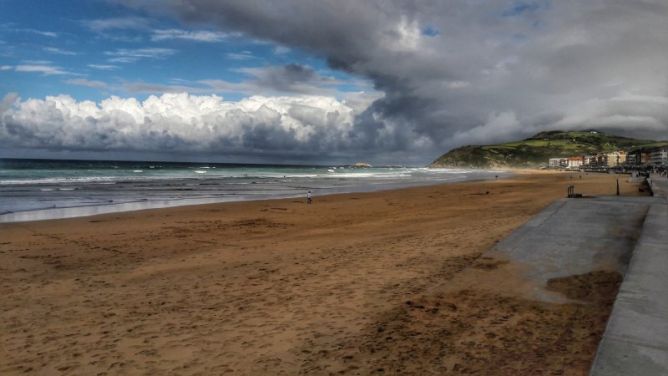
49,189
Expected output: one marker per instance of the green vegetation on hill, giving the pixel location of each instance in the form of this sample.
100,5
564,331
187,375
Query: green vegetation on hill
536,150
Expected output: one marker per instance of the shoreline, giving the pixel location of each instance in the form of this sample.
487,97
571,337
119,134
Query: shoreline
352,284
58,213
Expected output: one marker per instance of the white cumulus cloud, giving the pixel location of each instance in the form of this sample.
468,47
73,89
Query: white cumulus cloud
180,123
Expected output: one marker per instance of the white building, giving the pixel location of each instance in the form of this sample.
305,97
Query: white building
558,162
589,160
659,157
574,162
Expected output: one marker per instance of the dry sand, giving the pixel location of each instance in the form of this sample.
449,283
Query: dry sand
348,285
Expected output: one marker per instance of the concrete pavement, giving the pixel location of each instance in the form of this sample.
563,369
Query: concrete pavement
576,236
627,234
636,338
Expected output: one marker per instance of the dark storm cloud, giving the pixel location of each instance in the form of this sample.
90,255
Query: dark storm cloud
474,71
276,80
284,77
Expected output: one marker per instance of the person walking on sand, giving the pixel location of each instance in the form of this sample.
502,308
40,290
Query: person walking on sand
309,197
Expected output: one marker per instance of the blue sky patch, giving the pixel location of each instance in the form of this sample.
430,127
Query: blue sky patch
94,49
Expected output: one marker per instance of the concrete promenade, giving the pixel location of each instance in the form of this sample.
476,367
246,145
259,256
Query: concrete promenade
627,234
636,339
576,236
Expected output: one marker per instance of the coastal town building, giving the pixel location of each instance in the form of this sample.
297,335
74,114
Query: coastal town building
654,157
633,158
616,158
589,160
645,157
575,162
657,156
601,160
555,162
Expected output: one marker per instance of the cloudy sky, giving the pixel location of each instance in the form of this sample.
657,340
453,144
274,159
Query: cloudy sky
329,81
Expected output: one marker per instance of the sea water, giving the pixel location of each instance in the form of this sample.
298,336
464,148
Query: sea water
47,189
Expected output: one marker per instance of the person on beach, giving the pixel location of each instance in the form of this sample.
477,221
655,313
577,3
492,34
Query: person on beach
309,197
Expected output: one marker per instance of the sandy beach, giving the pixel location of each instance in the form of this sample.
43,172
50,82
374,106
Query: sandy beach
353,284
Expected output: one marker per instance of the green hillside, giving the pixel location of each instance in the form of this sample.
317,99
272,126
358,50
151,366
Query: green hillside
536,150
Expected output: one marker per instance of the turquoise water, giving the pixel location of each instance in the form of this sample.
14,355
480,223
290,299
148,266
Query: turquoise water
41,189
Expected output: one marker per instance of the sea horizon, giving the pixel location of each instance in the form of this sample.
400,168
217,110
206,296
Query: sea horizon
186,162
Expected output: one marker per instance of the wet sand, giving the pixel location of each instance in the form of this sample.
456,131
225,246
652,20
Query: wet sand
353,284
